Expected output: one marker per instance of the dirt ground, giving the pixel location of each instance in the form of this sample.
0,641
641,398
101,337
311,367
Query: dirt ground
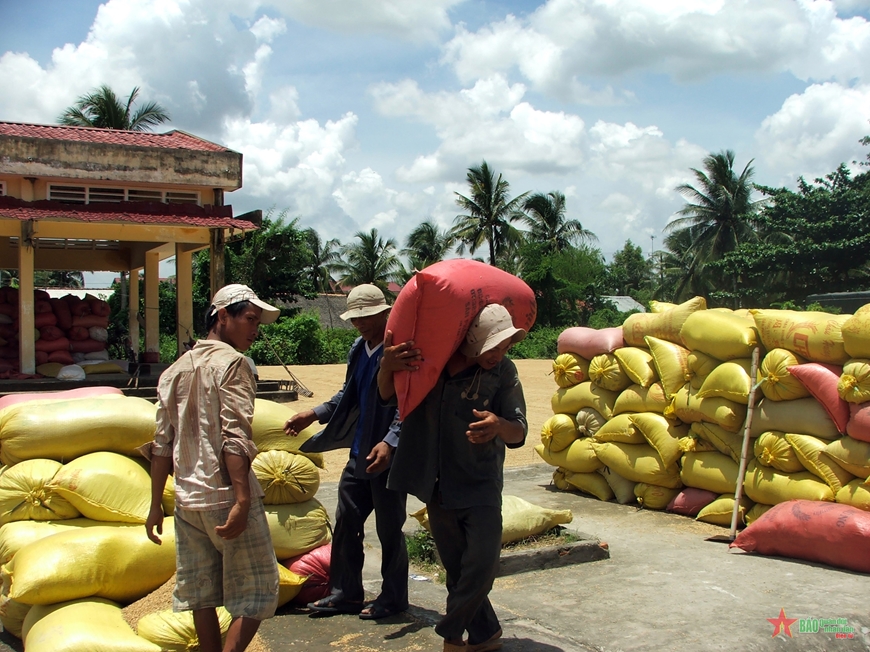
326,380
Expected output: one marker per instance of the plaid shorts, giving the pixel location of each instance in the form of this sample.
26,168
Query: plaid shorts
240,574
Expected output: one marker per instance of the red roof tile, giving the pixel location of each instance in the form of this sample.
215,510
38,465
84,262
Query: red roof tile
127,212
170,140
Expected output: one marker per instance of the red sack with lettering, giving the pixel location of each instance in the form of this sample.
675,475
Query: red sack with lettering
817,531
313,565
50,333
435,309
78,333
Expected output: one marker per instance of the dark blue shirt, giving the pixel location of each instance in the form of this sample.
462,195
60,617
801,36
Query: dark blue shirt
363,375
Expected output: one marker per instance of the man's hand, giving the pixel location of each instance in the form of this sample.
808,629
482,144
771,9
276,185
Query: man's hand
154,521
401,357
237,521
379,457
487,429
299,422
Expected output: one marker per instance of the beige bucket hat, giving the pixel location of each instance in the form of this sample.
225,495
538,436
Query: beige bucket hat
364,300
492,326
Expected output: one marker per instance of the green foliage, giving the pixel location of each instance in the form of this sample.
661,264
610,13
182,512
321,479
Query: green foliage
540,344
168,348
629,273
102,108
421,548
608,318
336,344
297,340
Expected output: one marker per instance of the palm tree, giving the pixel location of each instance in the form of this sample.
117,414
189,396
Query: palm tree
102,108
66,279
370,260
545,217
489,213
323,256
426,244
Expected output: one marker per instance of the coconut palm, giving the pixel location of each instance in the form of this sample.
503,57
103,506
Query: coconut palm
545,217
427,244
369,260
323,256
489,213
102,108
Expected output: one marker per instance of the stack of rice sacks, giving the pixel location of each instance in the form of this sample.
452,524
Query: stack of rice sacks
74,497
69,329
660,415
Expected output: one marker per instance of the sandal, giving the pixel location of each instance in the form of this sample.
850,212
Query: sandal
326,606
375,611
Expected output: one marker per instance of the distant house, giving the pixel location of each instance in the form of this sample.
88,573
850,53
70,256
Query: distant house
84,199
625,304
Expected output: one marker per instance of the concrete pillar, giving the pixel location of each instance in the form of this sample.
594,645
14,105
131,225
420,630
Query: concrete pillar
216,261
184,295
152,306
133,310
26,338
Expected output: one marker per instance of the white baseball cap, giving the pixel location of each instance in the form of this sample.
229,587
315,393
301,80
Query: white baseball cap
236,293
492,326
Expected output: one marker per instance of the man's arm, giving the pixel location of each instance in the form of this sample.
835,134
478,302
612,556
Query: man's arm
401,357
160,468
238,467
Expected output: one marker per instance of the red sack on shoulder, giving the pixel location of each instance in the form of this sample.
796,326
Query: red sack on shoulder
817,531
436,308
313,565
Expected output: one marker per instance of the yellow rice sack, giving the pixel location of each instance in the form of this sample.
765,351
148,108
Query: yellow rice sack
692,443
116,563
721,510
727,443
267,430
661,434
856,333
558,432
811,453
559,479
638,462
522,519
650,496
289,584
671,362
106,487
776,382
175,632
817,336
168,502
764,484
635,398
622,488
804,415
730,380
723,335
638,365
700,365
662,325
298,527
851,454
660,306
593,484
25,494
571,400
285,477
756,512
92,625
727,414
620,428
12,615
589,420
774,450
570,369
854,384
856,493
577,458
604,371
711,471
16,535
64,430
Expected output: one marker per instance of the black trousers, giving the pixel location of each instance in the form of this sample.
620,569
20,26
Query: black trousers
469,543
357,499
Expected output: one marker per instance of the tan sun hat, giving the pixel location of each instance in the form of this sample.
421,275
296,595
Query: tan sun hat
492,326
236,293
364,300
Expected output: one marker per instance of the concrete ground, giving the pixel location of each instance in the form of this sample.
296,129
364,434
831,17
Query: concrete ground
664,588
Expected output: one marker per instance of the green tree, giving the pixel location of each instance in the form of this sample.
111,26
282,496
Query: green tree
369,260
629,273
489,213
427,244
102,108
66,279
545,217
323,256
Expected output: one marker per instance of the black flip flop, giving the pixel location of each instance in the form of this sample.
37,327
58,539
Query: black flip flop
376,612
325,607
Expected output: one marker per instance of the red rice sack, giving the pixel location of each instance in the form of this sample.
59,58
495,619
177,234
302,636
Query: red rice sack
44,319
86,346
61,311
435,309
589,342
821,381
60,344
78,333
690,501
99,307
827,533
41,357
50,333
91,320
64,357
858,426
313,565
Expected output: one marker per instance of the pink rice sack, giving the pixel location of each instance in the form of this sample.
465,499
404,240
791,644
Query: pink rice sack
79,392
816,531
690,501
859,421
821,380
313,565
589,342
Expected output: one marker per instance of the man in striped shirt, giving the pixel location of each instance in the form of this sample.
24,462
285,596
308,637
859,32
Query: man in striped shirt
224,553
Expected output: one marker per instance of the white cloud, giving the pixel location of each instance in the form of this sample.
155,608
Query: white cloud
815,130
414,20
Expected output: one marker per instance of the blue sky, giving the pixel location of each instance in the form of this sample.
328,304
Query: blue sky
353,114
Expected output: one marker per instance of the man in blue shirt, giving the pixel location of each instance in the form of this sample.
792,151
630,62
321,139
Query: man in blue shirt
355,418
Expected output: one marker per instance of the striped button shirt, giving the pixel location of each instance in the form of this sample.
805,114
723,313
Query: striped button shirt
205,407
